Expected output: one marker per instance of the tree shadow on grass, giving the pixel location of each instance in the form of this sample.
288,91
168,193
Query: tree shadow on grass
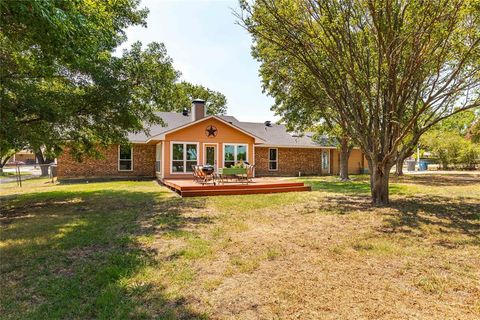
445,215
73,254
438,179
414,216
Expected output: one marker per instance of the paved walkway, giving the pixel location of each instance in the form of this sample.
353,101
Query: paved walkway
32,173
14,178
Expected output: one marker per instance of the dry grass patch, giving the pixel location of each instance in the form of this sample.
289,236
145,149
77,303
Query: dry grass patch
134,250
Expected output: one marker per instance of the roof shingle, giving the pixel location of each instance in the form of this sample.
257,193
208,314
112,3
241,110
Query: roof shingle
273,135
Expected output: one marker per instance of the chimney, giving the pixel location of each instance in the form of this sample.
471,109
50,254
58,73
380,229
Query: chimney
198,109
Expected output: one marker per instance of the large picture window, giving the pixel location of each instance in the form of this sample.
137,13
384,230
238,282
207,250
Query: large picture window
125,158
233,153
184,156
273,159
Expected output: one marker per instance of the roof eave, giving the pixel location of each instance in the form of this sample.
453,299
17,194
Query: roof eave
162,135
293,146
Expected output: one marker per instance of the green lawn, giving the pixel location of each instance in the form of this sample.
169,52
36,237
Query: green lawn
135,250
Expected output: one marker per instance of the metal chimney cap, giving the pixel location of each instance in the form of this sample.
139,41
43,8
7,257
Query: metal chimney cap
198,101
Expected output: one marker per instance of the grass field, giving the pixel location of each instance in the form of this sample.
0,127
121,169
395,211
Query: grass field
134,250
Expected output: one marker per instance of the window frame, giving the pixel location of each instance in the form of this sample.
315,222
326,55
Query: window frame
235,151
131,159
158,158
184,143
270,160
204,150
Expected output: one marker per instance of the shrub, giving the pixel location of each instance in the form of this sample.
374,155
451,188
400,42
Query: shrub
452,149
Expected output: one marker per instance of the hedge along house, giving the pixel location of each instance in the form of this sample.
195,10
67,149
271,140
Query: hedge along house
192,138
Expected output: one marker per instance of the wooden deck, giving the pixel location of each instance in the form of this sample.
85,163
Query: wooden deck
189,188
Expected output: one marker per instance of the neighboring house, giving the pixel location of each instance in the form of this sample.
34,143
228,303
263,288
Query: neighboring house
24,156
191,138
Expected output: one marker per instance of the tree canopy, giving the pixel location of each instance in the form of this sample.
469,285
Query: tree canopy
390,69
299,98
216,102
61,82
453,141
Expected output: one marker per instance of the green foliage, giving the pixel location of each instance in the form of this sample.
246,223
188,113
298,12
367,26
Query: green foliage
451,149
459,123
453,142
60,81
216,102
474,131
386,71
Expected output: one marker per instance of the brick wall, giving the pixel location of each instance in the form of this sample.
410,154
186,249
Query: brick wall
290,162
143,164
308,161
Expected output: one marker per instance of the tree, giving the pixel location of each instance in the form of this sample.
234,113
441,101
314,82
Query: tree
451,149
60,81
452,142
299,99
156,82
5,156
215,101
390,69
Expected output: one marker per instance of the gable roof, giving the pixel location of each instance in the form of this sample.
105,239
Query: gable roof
228,123
275,135
174,122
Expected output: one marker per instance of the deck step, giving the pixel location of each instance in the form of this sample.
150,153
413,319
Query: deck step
227,186
245,190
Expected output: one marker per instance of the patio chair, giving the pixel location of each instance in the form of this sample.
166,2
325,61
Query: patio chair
248,176
198,175
250,172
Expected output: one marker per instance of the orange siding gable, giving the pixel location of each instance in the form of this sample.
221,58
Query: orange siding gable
196,134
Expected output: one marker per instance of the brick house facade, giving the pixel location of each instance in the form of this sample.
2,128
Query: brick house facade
197,139
306,161
291,162
143,158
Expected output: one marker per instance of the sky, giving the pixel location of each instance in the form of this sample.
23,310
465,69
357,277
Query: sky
208,48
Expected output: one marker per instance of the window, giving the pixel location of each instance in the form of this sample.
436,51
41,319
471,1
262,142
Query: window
125,160
158,157
325,160
273,159
233,153
184,156
229,155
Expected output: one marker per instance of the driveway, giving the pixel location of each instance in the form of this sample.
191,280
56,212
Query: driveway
27,172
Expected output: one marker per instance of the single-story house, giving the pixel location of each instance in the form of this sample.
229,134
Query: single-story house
191,137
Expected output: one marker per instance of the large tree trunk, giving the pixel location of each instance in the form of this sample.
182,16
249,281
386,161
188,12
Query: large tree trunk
43,162
399,166
379,180
401,159
4,160
345,150
3,163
